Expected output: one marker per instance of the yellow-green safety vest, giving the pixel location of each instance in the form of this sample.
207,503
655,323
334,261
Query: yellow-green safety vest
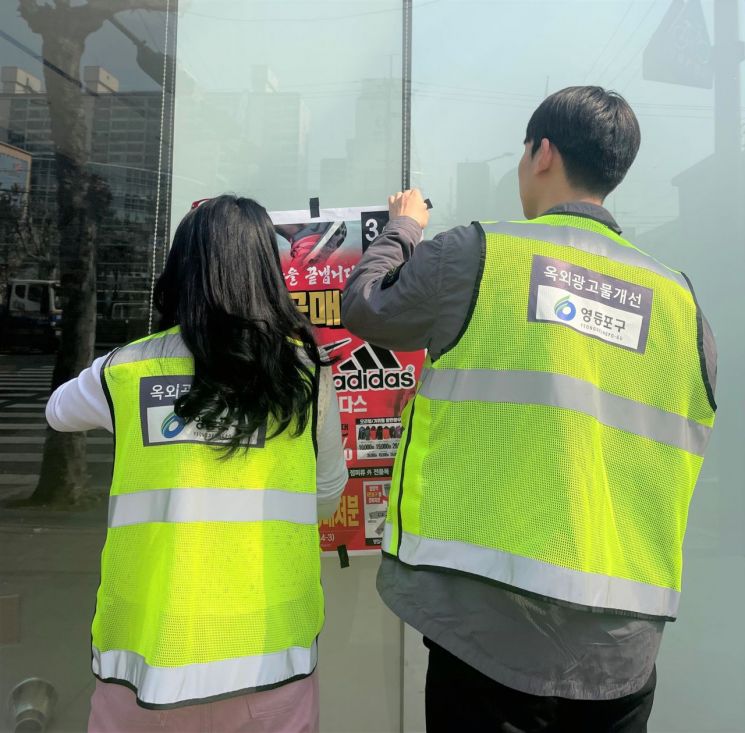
554,448
210,574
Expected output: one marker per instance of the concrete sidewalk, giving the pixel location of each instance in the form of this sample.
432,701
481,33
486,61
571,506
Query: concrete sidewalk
50,561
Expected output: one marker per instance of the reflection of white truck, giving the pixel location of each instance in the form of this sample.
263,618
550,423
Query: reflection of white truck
31,318
30,315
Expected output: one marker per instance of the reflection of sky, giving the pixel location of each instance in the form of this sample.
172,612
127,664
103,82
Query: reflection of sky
478,101
468,106
321,49
519,50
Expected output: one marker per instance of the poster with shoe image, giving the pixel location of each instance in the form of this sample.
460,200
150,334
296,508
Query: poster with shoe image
318,255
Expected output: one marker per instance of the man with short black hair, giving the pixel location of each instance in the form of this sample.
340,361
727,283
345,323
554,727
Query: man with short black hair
541,488
596,133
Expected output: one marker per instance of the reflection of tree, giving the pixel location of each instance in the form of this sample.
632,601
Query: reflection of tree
81,198
33,238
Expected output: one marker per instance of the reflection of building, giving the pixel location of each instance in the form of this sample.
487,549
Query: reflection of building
706,242
15,173
15,176
248,142
99,81
276,126
24,122
122,145
125,137
372,167
474,199
18,81
506,202
710,185
478,198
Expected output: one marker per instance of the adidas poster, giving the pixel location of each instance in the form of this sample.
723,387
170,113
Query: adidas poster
318,254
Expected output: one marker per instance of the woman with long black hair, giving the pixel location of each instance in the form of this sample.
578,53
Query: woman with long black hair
228,450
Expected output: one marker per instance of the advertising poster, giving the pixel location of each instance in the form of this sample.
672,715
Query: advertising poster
318,255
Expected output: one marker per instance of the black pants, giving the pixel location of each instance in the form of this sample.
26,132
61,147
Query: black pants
459,699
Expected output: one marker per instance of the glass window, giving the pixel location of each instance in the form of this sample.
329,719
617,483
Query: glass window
287,101
35,293
479,70
44,109
283,121
282,102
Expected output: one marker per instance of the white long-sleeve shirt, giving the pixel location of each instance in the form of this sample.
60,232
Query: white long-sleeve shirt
80,404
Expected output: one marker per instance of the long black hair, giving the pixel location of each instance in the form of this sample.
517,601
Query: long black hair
223,285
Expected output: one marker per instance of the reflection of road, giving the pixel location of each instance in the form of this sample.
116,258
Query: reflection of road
24,388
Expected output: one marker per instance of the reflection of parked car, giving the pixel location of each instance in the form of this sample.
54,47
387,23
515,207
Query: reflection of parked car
30,315
124,322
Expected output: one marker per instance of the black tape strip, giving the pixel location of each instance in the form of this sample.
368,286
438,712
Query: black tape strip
315,207
428,202
343,556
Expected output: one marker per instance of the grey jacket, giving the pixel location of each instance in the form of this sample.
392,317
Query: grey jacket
405,294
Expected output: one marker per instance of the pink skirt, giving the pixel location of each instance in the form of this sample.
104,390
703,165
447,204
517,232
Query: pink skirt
292,708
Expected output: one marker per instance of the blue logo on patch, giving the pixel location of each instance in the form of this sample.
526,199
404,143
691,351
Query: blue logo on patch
565,309
172,426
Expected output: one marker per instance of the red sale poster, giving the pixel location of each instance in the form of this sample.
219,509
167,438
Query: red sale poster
373,384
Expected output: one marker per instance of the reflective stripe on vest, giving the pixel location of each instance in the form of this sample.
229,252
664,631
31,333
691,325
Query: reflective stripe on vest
543,579
164,345
587,241
212,505
165,686
558,390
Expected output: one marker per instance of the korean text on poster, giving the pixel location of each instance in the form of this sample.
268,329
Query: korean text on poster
373,385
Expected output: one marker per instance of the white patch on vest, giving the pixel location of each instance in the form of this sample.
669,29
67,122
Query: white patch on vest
588,316
593,303
164,426
160,424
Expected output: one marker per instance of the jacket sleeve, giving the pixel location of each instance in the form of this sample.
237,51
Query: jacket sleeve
390,298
